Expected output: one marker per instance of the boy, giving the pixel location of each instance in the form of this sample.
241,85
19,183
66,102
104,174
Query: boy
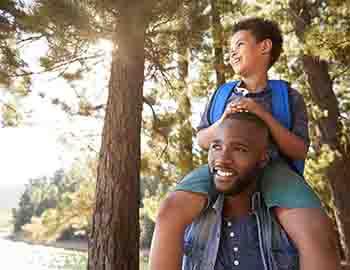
255,46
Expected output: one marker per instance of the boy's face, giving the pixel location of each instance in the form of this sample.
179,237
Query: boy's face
236,155
247,56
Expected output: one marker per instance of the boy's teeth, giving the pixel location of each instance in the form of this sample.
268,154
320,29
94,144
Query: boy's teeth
222,173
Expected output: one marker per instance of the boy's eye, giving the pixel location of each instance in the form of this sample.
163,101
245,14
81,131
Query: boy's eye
215,146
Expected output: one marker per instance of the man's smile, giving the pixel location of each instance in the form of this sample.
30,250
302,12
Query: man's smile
224,172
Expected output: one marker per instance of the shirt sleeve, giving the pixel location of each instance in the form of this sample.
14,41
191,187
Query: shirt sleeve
299,116
204,123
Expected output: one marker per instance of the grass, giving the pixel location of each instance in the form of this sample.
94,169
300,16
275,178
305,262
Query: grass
5,219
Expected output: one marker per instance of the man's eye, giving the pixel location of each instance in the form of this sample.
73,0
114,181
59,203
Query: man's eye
242,149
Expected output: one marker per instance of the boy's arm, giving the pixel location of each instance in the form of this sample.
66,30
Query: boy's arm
177,211
205,135
207,131
312,233
290,144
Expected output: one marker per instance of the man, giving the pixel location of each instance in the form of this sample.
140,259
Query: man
236,230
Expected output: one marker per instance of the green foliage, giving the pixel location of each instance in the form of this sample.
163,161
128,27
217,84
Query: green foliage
329,34
51,206
40,194
10,61
24,213
315,173
147,227
11,116
72,210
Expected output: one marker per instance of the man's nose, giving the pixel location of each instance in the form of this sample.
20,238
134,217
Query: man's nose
225,156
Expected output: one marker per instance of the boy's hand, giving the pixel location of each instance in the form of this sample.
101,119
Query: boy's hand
230,109
247,105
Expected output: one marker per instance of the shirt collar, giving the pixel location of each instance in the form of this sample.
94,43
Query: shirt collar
255,202
219,203
241,91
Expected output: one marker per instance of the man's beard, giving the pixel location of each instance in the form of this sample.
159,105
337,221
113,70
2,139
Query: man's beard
241,184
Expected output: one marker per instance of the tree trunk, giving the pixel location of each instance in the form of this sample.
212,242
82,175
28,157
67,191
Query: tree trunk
217,32
338,173
114,241
185,155
323,95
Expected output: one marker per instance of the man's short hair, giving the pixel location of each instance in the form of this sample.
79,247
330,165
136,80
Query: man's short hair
263,29
250,117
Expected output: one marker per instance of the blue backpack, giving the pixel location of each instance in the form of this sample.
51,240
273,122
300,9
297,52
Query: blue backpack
280,109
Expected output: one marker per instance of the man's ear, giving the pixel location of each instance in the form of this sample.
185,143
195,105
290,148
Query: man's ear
265,158
266,46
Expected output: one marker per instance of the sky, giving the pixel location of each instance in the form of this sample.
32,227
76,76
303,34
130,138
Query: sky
48,139
27,152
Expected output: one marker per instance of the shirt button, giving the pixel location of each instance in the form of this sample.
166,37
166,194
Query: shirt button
229,224
232,234
235,262
235,249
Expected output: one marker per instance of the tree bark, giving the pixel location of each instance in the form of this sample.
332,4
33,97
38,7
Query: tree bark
217,32
185,133
114,240
322,94
338,173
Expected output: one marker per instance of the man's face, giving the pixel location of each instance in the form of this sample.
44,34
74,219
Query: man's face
246,56
236,155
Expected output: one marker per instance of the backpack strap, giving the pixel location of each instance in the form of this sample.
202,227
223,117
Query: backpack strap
280,102
219,100
281,110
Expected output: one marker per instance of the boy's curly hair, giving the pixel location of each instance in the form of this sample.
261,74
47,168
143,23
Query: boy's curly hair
263,29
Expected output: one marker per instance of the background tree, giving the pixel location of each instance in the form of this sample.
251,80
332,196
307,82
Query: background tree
323,94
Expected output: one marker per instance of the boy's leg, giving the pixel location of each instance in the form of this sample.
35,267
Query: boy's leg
282,187
300,213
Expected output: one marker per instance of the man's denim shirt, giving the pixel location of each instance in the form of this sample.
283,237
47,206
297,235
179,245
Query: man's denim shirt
202,239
